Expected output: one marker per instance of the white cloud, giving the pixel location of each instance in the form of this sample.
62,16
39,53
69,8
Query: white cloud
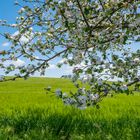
53,69
68,69
17,63
51,66
64,60
15,33
24,38
5,44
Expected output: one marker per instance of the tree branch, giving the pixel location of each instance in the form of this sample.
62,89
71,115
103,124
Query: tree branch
37,68
134,82
83,14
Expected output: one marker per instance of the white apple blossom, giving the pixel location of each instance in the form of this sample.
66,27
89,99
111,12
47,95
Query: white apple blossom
30,67
100,82
136,60
93,97
114,87
86,78
14,25
64,95
69,101
96,59
124,88
21,10
82,99
70,3
58,93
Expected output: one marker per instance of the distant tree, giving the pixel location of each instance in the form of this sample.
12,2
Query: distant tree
90,35
66,76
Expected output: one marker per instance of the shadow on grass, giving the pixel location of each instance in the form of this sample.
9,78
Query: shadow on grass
69,125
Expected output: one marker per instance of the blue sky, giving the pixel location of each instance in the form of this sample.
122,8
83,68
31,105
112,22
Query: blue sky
8,11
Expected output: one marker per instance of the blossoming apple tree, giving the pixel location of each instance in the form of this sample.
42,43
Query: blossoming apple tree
90,35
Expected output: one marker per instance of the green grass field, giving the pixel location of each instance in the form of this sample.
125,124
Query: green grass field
28,113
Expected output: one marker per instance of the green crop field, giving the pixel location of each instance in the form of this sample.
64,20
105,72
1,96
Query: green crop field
28,113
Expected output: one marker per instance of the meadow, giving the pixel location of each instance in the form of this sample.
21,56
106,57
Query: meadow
27,112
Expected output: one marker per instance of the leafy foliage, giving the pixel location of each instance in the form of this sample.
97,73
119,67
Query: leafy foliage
90,35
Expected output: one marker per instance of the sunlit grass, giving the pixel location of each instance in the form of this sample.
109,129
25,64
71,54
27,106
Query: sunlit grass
27,112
